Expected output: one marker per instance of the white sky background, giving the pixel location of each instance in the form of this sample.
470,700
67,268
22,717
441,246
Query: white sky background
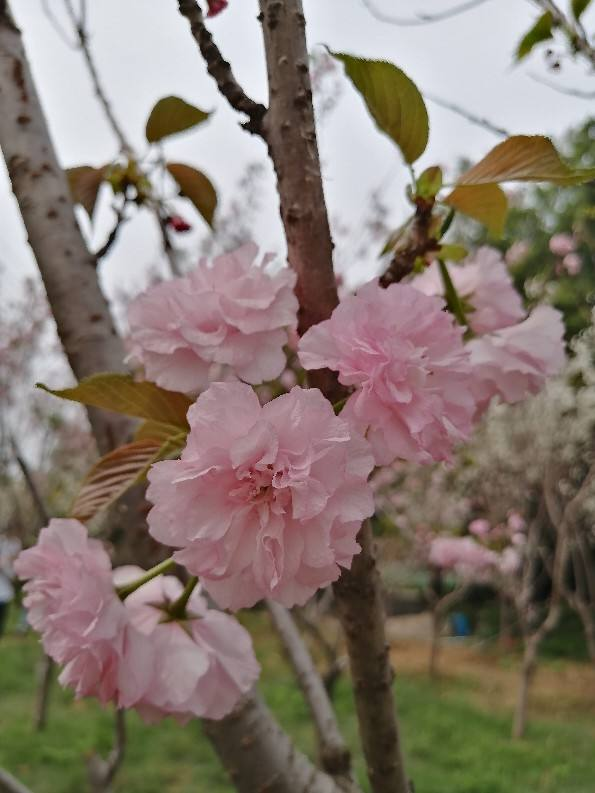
144,51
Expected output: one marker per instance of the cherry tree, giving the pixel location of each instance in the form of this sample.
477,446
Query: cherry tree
263,499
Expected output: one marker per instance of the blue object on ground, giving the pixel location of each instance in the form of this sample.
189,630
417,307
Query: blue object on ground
460,624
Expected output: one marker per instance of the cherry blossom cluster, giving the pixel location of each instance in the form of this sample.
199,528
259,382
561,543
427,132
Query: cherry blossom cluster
266,500
135,653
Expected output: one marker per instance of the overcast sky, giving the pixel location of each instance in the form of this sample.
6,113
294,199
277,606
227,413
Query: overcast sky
144,51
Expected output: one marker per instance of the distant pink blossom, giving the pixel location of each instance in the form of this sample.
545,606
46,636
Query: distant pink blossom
404,356
562,244
480,527
517,252
516,522
572,263
265,501
216,7
464,555
509,561
485,285
515,362
231,312
71,601
203,664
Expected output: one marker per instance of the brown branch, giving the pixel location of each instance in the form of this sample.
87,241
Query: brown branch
67,267
562,89
421,18
168,248
219,68
113,235
361,611
260,756
334,755
44,686
417,241
42,512
78,23
102,772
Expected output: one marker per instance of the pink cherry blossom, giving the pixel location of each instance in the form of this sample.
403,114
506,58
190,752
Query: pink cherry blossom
572,263
405,357
484,283
464,555
265,501
230,312
515,522
515,362
509,561
480,527
562,244
71,601
204,663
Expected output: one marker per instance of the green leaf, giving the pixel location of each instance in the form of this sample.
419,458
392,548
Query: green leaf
116,472
486,203
84,182
525,158
121,394
429,182
541,31
453,253
579,7
393,100
172,115
196,187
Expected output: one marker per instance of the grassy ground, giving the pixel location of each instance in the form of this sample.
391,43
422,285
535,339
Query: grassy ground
456,730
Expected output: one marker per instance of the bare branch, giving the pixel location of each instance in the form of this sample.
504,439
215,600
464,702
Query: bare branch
334,755
574,30
466,114
8,784
57,25
31,484
102,772
562,89
168,248
113,235
44,685
422,18
219,68
83,39
259,756
361,611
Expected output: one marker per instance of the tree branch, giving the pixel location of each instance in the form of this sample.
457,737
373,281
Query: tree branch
102,772
220,70
83,40
574,30
361,611
8,784
422,18
484,123
67,268
334,755
259,756
31,485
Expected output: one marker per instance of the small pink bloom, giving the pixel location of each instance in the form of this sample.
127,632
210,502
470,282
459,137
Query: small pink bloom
516,522
231,312
216,7
517,252
404,356
204,664
480,527
484,283
509,561
71,601
464,555
572,263
515,362
562,244
178,223
265,501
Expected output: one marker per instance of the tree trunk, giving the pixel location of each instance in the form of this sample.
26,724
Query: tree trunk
44,687
67,268
435,644
527,673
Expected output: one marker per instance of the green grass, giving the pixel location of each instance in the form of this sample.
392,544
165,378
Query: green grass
452,744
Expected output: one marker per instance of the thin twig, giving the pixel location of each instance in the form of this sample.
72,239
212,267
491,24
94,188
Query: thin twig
168,248
561,89
57,25
421,18
334,755
113,235
83,39
30,482
466,114
102,772
220,70
574,30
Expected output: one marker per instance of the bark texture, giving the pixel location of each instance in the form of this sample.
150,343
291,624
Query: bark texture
67,267
361,611
261,758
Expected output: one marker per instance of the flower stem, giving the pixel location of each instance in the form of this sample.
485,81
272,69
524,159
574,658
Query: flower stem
178,609
128,589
